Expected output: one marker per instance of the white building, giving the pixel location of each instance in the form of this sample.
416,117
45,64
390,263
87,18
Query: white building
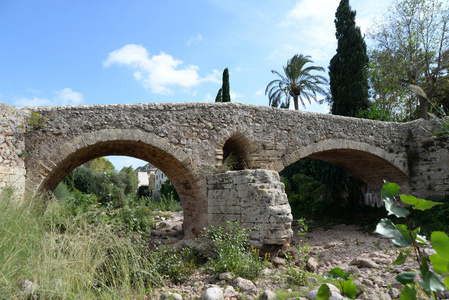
160,178
153,179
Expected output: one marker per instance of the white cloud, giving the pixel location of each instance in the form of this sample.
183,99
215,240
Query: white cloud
208,98
235,95
314,29
65,96
157,72
193,40
68,97
318,10
260,92
25,101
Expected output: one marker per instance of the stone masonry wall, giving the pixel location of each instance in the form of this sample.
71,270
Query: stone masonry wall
12,147
428,158
254,198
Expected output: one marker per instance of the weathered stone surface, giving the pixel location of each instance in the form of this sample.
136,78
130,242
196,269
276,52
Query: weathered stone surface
213,293
230,293
226,276
254,198
171,296
12,147
363,263
312,264
243,284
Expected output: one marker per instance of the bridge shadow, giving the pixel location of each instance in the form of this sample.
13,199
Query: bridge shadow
338,183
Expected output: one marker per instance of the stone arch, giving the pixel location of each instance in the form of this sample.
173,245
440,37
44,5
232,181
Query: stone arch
45,171
238,149
370,164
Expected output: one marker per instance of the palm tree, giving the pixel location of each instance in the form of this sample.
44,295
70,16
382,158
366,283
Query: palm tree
298,83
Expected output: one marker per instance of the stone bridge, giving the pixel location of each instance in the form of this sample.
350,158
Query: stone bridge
190,142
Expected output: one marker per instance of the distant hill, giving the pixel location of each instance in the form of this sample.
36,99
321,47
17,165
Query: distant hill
145,168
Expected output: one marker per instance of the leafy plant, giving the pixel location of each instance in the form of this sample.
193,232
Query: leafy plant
403,236
303,246
345,284
233,252
297,276
177,264
36,121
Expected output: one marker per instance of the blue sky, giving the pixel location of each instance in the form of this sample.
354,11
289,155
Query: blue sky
78,52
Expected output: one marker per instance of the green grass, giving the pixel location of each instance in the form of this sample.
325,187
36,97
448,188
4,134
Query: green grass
68,259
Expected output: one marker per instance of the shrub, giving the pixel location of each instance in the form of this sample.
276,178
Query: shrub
36,121
233,252
164,203
136,218
177,264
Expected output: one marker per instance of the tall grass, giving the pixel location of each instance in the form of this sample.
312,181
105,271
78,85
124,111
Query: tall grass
164,203
67,259
20,237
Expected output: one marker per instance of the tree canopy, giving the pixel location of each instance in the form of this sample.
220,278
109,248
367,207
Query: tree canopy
411,48
297,82
100,164
348,69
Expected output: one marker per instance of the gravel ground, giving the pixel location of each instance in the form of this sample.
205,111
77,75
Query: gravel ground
366,255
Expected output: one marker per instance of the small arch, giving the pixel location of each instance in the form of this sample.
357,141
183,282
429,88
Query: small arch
236,152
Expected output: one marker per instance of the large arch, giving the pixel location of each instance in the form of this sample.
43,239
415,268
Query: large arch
368,163
58,158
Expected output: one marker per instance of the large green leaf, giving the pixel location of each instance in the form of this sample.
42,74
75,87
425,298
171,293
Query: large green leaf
446,282
349,289
431,281
408,292
401,257
338,274
403,229
420,204
393,209
440,263
386,228
440,243
406,277
390,189
324,292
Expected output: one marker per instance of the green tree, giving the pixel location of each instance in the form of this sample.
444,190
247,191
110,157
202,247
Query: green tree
411,47
297,82
100,164
167,189
225,87
83,179
219,97
128,179
348,69
224,94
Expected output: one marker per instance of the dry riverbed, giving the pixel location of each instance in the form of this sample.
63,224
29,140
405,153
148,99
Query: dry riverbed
366,255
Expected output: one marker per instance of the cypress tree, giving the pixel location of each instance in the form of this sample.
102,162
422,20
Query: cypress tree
219,97
225,87
348,69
